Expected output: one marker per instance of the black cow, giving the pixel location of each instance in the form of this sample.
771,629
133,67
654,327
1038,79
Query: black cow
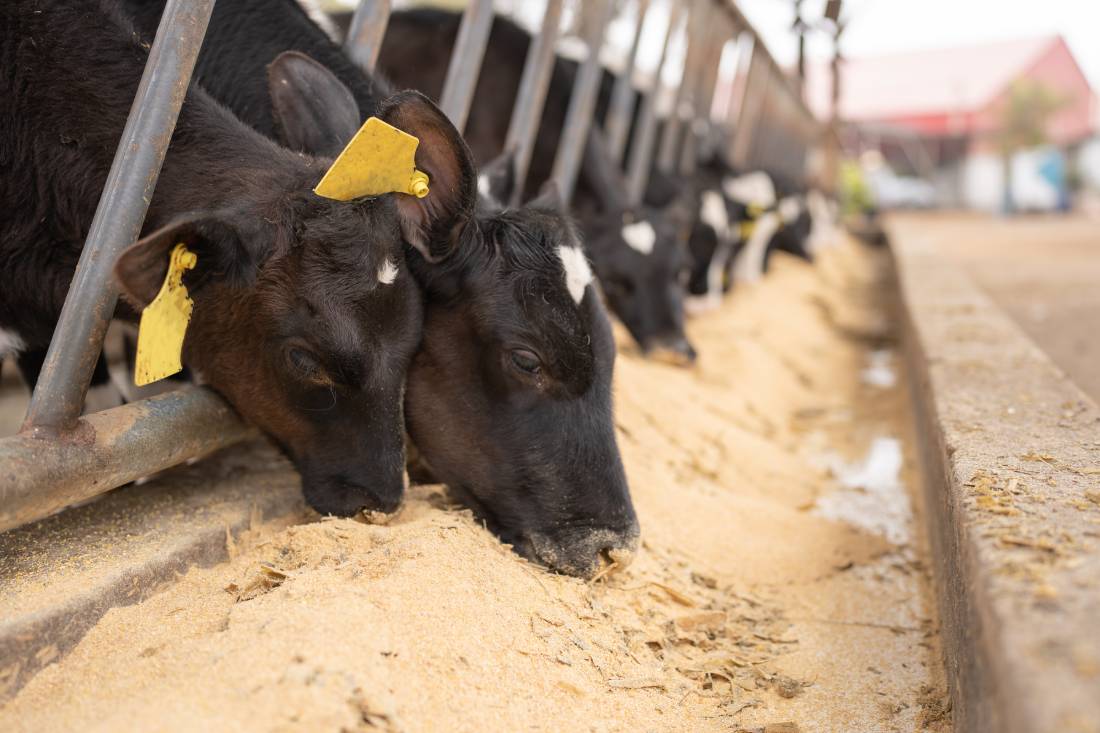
509,397
638,254
303,319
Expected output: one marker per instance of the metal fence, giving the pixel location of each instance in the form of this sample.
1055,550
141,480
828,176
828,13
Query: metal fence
60,458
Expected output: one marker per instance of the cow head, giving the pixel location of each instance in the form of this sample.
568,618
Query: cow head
508,399
306,317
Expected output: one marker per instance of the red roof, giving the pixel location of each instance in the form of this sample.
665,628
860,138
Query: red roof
945,91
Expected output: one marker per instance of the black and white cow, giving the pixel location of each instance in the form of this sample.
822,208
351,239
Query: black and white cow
638,252
302,319
509,397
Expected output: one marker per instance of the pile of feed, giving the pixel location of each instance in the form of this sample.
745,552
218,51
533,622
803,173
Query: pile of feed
779,587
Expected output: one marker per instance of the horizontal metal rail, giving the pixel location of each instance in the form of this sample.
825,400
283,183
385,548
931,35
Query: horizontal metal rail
90,303
531,98
111,448
462,73
368,28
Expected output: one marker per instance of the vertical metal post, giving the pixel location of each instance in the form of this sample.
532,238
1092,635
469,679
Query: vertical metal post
623,98
469,50
531,98
641,154
702,94
90,303
368,27
670,138
582,104
752,105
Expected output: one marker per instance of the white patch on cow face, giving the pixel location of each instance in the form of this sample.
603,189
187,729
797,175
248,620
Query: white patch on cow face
751,189
713,213
640,236
483,186
750,261
577,272
10,343
387,273
789,209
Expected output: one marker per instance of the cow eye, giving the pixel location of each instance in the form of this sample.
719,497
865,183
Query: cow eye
305,365
526,361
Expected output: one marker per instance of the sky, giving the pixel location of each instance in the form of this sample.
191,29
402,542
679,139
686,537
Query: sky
884,26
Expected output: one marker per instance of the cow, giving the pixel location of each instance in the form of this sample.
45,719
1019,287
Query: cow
638,252
305,316
509,396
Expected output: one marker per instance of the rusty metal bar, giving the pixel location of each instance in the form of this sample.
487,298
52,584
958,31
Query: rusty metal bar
641,153
109,449
582,104
368,27
469,50
531,98
623,97
90,303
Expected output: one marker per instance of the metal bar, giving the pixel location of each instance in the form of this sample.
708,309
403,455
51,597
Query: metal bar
90,303
469,50
752,103
368,28
670,136
641,154
531,98
109,449
702,99
623,97
582,104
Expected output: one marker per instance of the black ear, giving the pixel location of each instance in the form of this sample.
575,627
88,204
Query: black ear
141,268
549,197
497,180
314,112
435,223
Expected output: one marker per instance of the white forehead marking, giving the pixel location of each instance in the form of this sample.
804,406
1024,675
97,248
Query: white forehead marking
10,343
483,186
577,272
750,189
387,273
713,212
640,236
789,209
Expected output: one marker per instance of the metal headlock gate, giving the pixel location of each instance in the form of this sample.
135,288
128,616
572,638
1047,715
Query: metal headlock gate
60,458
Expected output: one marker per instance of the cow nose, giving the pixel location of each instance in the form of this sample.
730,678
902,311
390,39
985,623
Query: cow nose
676,350
590,553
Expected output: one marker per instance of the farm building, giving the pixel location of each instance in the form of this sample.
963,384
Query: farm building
941,115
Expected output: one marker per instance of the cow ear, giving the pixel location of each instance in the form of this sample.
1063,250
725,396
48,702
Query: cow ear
141,268
435,223
549,197
497,180
314,112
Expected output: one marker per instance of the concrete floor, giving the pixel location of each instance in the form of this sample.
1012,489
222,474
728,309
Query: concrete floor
1043,271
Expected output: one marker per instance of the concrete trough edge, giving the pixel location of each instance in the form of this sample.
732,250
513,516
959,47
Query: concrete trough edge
59,576
1011,449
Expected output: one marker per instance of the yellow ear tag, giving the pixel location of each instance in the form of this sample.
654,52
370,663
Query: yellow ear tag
380,159
164,323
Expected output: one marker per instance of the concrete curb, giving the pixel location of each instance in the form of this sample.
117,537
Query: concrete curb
59,576
1011,451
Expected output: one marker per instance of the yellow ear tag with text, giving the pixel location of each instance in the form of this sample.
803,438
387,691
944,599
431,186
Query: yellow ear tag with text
380,159
164,323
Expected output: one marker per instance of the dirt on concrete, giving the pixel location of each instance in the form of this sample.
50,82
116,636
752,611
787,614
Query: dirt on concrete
781,584
1043,270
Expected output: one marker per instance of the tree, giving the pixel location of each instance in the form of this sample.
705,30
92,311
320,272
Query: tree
1024,119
